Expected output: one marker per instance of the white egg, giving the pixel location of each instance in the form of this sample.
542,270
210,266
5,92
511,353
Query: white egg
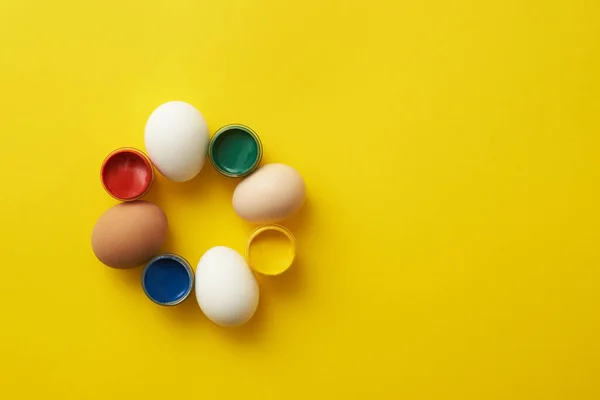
176,138
226,289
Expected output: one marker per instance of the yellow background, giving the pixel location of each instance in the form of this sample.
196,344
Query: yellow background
449,246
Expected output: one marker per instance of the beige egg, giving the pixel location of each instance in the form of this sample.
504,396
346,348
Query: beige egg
271,194
129,234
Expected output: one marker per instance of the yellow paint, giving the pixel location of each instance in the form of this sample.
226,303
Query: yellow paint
271,249
449,247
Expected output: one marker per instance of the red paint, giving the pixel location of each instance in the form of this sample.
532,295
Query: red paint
127,174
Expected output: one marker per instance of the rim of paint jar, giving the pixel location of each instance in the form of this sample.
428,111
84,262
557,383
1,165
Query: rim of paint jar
218,153
184,265
285,265
127,174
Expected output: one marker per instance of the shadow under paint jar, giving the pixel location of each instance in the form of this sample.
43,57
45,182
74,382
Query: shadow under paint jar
167,279
235,150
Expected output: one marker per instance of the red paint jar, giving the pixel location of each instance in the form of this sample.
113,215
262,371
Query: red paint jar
127,174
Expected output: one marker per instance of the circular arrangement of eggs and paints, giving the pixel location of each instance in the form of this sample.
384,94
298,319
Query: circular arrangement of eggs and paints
132,233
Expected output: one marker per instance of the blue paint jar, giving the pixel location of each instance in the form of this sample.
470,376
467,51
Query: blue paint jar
167,279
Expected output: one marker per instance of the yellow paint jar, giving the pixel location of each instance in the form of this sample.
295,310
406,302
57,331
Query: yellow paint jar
271,250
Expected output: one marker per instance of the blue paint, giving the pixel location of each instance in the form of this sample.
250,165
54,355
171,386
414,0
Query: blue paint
167,279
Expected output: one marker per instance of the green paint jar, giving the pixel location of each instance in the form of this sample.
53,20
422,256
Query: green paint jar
235,150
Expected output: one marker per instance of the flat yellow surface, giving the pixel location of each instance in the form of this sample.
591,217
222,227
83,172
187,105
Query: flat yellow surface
449,248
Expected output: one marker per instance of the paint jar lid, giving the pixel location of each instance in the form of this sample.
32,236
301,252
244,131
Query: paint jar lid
127,174
167,279
235,150
271,250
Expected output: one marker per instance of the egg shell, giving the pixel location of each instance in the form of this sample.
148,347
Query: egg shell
226,288
176,139
271,194
129,234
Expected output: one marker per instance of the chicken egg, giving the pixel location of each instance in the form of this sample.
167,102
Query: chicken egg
129,234
271,194
226,289
176,138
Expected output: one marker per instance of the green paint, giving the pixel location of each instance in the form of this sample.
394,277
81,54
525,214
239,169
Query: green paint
235,150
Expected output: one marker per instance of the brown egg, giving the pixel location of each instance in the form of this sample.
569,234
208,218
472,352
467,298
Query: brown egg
129,234
271,194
